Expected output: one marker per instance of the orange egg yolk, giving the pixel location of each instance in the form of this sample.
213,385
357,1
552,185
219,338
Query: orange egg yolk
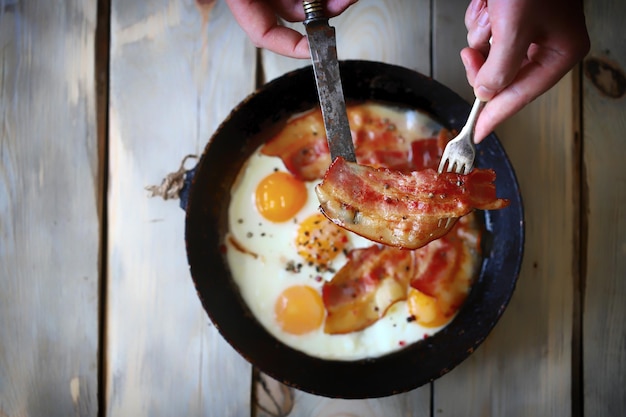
299,309
319,240
279,196
426,309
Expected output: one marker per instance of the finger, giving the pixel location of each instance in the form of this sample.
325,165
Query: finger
261,25
336,7
293,11
543,70
502,65
472,61
478,26
473,10
285,41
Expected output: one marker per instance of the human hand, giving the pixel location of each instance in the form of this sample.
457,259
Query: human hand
534,43
260,20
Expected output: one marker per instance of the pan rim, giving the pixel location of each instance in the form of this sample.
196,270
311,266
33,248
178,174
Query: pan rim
397,372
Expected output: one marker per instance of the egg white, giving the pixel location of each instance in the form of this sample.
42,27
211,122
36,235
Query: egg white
261,273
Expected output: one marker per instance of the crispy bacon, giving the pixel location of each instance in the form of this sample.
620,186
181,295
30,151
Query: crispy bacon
445,267
399,209
302,146
393,196
377,141
304,150
376,277
426,153
365,287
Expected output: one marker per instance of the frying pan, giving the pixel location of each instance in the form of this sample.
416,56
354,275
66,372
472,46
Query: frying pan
206,198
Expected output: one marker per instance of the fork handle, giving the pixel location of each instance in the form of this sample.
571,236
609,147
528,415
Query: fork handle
473,116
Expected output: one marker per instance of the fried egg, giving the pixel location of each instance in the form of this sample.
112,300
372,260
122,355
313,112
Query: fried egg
290,250
281,250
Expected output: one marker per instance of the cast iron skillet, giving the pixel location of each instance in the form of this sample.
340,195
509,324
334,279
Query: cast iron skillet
208,196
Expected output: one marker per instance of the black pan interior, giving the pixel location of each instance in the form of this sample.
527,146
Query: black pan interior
241,133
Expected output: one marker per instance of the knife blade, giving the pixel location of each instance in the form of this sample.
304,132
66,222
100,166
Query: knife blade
323,47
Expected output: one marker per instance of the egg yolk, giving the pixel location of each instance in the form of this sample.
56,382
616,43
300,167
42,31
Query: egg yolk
279,196
319,240
425,309
299,309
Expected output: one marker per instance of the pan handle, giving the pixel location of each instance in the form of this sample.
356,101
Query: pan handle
183,194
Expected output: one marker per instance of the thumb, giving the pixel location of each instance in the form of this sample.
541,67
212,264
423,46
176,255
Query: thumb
336,7
499,70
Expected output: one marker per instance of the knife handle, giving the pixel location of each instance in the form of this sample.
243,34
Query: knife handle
313,10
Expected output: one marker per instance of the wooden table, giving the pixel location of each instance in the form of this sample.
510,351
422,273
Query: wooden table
98,314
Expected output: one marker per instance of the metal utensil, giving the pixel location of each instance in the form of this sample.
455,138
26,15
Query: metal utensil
323,47
459,154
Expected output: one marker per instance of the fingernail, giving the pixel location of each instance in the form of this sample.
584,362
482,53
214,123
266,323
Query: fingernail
484,93
483,18
477,5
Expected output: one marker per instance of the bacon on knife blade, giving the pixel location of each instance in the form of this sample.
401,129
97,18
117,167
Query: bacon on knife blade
399,209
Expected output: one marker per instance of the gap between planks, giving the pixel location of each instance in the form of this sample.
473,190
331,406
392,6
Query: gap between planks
102,75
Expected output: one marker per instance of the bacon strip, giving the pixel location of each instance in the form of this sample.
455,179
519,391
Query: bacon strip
399,209
376,277
302,146
445,267
370,282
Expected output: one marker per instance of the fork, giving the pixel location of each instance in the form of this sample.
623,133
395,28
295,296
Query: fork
458,155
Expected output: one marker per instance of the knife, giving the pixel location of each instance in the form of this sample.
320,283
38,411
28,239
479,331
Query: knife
323,47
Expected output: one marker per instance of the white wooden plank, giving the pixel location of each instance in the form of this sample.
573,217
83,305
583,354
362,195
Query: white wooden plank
604,124
49,203
524,366
177,69
395,32
449,37
276,399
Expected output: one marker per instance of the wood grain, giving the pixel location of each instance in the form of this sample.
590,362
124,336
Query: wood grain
394,32
449,37
169,89
604,123
49,225
177,69
524,366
